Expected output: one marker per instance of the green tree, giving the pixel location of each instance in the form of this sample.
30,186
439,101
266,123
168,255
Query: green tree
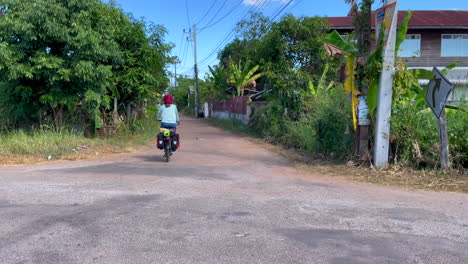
290,50
65,56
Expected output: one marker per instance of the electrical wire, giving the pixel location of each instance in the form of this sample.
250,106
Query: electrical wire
232,32
223,17
295,5
207,12
229,36
217,12
180,47
282,9
270,22
187,11
186,51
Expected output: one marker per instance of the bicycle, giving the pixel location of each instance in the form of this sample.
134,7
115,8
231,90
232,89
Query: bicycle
168,142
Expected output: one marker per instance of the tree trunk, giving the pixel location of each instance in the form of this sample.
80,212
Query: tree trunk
116,113
129,113
140,110
362,25
58,117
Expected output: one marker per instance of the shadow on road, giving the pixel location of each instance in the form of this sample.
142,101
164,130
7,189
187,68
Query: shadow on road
145,169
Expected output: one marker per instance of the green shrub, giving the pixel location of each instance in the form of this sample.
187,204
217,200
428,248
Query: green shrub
332,115
323,128
417,140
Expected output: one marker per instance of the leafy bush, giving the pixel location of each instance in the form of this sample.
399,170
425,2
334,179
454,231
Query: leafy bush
59,57
417,139
323,129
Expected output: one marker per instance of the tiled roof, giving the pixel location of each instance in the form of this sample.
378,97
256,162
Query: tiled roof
420,19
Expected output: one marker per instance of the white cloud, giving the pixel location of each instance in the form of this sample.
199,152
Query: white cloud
260,2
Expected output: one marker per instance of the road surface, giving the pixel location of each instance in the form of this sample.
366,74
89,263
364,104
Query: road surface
222,199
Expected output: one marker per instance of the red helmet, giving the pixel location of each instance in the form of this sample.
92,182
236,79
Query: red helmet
168,99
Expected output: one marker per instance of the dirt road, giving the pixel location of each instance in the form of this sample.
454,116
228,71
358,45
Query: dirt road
222,199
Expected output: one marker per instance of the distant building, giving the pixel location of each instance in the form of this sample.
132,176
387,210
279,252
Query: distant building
434,38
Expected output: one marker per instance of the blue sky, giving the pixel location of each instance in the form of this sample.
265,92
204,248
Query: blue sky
177,15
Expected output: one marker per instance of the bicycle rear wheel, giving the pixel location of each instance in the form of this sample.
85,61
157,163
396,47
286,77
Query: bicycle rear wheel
167,151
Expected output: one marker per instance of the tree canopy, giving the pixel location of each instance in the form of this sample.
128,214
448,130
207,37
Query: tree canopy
59,57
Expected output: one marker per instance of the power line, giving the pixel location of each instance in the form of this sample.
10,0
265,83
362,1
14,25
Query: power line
187,10
297,3
207,12
230,34
217,12
270,22
180,47
186,51
282,9
226,15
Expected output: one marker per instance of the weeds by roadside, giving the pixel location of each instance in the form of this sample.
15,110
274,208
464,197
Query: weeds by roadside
231,125
42,144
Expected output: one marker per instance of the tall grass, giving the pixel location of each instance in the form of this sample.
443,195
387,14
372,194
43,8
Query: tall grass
231,125
41,142
46,143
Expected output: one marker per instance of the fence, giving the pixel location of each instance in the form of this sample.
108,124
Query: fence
236,108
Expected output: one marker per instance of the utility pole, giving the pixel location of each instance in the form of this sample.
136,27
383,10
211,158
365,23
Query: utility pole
176,61
384,107
195,67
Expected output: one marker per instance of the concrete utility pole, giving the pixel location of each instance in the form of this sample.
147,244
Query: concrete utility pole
195,67
384,107
197,97
176,61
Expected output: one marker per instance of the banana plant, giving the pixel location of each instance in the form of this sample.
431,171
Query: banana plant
407,88
349,49
242,75
373,65
321,84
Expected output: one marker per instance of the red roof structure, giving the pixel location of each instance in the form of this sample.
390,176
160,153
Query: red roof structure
420,19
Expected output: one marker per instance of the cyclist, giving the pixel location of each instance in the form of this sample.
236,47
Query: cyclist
168,113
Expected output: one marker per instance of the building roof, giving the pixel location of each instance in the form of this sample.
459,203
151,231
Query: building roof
420,19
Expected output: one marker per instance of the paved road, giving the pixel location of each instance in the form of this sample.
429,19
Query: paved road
223,199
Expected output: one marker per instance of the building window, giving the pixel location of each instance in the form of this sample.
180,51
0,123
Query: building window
411,47
454,45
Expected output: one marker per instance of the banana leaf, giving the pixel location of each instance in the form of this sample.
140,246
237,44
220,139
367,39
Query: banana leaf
422,74
401,33
374,67
335,39
451,66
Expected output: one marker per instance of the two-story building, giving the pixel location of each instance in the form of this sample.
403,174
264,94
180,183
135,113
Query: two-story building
434,38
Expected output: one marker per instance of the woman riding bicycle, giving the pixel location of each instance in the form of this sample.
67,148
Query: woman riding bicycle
168,113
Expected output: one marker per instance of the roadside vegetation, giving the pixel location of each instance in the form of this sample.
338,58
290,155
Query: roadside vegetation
312,97
73,70
48,144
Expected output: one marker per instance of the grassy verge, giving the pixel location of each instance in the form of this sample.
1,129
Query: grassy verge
453,181
231,125
43,144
